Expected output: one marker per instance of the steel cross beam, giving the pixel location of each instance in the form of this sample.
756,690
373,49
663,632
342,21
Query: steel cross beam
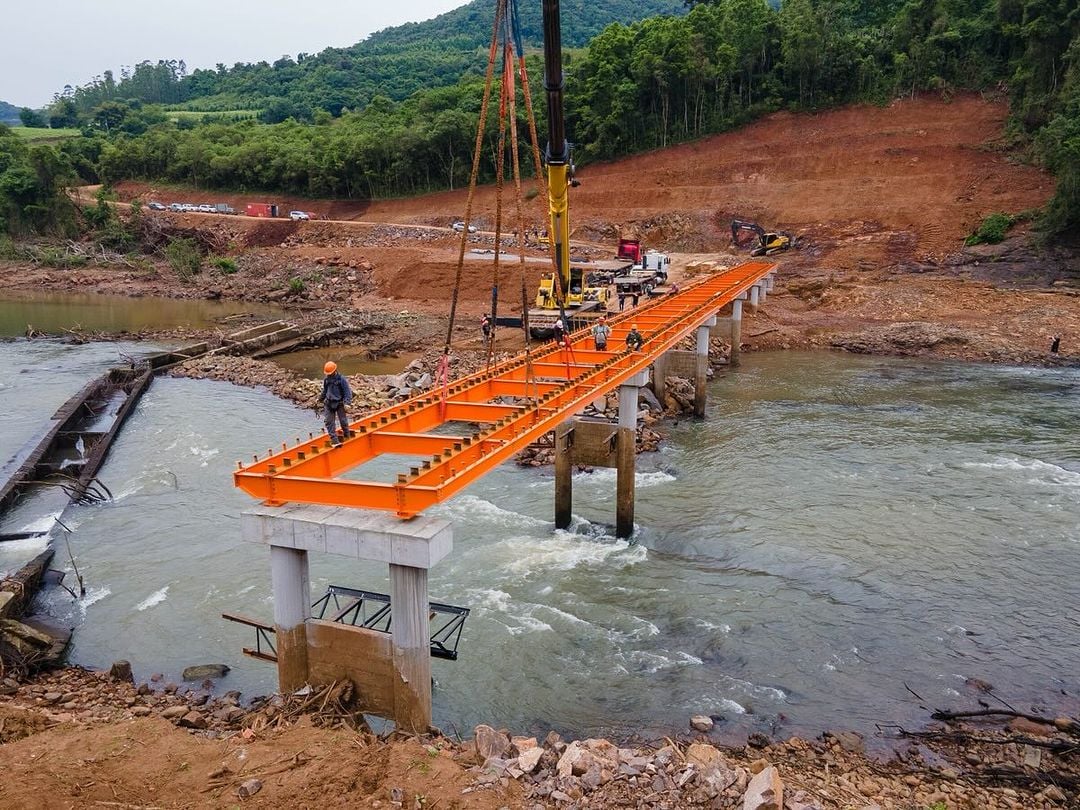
515,403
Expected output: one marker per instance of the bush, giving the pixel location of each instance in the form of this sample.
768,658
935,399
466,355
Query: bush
184,257
7,247
296,286
992,230
224,264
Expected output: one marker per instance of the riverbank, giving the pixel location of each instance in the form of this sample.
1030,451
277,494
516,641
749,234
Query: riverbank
98,739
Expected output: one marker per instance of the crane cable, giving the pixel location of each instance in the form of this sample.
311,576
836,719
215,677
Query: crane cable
500,163
443,372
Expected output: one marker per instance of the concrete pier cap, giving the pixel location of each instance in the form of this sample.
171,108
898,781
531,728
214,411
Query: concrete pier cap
361,534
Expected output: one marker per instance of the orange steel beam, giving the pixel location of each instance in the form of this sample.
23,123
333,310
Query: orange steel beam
544,389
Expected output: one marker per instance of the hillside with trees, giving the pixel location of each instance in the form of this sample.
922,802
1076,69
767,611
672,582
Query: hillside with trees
9,113
392,63
635,87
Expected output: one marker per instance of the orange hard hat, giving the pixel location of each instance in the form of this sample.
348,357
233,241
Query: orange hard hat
633,326
330,367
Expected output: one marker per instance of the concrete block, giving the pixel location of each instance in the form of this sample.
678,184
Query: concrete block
356,533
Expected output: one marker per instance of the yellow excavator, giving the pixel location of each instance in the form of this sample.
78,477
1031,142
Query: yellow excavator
767,242
568,292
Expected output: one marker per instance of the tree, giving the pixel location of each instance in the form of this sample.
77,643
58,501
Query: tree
32,118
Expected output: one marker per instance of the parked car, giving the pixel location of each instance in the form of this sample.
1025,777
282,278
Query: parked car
224,208
177,207
299,215
188,207
459,226
155,206
206,208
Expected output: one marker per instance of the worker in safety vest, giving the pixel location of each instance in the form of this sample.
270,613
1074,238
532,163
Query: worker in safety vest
336,394
634,340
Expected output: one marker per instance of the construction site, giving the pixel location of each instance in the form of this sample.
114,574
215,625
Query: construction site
603,502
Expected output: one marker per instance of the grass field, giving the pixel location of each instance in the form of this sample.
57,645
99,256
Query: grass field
43,135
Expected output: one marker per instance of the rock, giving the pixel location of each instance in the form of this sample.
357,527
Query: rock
765,791
157,676
141,711
758,765
649,400
575,761
757,740
193,720
121,671
529,759
174,712
205,671
53,697
849,741
144,689
701,722
1022,725
489,743
801,801
249,788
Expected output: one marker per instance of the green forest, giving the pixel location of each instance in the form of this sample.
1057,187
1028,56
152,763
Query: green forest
631,87
9,113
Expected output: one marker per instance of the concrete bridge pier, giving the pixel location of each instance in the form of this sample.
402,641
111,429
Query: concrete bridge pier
291,586
762,291
755,297
564,472
392,672
736,331
626,456
701,366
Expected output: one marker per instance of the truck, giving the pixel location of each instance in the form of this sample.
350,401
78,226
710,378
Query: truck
644,260
261,210
224,208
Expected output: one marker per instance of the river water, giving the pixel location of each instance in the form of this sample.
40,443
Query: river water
838,529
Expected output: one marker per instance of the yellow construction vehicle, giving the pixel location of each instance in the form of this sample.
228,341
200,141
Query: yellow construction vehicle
567,292
767,242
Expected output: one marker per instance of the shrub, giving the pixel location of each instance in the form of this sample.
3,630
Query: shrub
991,231
224,264
183,257
296,286
7,247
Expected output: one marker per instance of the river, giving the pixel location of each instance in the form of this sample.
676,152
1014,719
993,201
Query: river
838,530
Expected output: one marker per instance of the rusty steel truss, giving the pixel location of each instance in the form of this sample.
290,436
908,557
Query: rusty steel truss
514,403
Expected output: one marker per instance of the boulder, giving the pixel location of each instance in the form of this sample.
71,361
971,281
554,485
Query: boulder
200,671
765,791
575,761
249,788
702,723
529,759
121,671
193,720
489,743
174,712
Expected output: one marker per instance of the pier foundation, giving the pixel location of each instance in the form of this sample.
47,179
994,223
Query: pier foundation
392,672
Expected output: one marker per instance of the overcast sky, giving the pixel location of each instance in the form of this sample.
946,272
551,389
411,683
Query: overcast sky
45,44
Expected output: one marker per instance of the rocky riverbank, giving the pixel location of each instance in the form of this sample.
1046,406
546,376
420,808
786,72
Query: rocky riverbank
75,736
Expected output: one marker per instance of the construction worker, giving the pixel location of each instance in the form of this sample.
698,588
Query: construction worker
560,330
336,394
634,340
485,328
600,333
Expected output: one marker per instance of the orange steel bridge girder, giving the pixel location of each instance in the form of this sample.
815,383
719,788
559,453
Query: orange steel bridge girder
513,404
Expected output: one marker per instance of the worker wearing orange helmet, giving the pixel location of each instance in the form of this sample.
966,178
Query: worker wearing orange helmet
336,394
634,340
